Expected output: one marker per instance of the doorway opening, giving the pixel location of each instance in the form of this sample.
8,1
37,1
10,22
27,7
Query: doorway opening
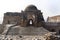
30,22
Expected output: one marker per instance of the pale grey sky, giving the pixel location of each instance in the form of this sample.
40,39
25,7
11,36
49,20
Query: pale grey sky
48,7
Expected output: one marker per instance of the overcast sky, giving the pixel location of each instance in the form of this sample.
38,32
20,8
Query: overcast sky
48,7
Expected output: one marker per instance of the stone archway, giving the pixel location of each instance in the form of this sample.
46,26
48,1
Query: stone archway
30,22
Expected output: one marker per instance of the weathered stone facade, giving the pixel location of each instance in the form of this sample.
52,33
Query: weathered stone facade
28,23
31,14
53,24
54,19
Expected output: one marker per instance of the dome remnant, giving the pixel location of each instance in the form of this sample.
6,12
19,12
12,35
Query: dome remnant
30,7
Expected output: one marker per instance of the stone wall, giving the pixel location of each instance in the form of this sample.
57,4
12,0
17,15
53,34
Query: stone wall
24,17
12,18
1,28
54,19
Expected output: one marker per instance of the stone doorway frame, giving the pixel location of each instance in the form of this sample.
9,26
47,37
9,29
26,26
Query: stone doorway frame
30,22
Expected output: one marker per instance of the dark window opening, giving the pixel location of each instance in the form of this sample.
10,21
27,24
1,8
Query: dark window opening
59,31
11,39
53,30
20,36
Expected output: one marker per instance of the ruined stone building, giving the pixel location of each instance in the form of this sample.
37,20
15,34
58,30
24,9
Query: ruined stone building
30,16
53,24
26,25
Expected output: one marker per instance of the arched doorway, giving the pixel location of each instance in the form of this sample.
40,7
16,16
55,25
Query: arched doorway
30,22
